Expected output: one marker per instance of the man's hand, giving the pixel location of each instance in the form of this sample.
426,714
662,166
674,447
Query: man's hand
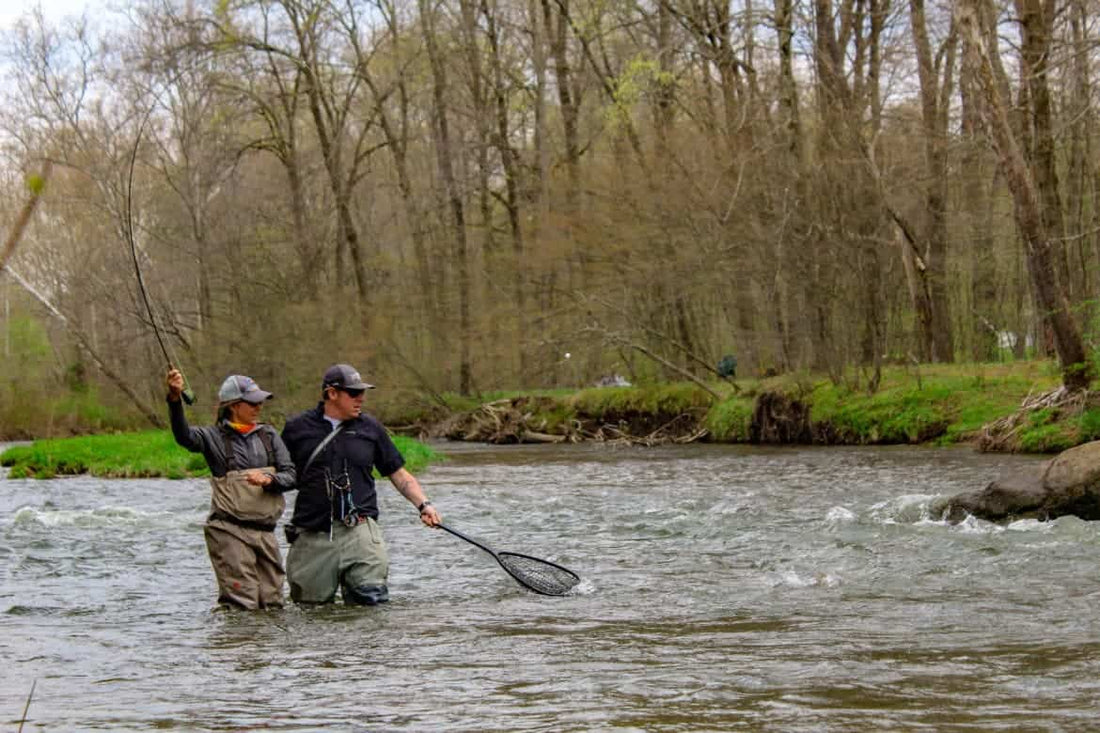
430,516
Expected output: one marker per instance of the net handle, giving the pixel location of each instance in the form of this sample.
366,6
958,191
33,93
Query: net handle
500,562
472,541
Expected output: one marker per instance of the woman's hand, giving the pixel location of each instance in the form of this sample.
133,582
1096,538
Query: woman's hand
175,384
258,478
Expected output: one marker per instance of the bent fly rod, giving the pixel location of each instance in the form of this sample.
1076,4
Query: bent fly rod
188,395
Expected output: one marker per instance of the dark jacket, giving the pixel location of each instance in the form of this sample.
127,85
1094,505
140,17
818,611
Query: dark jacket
248,450
362,446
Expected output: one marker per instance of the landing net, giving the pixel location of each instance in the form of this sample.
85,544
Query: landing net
540,576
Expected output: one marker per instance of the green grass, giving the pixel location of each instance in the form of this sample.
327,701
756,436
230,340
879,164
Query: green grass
939,404
662,399
1044,433
118,455
1089,425
728,421
142,454
942,404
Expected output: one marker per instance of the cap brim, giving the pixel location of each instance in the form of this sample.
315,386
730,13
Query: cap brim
256,397
358,385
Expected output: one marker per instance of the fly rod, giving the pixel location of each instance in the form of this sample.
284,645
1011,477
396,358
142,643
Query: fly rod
188,395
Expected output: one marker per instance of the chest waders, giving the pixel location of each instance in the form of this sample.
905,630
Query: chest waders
233,499
351,559
239,537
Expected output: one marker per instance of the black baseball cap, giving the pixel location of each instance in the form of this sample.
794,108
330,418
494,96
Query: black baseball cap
343,376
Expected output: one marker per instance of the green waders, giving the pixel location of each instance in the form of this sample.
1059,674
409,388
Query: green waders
354,560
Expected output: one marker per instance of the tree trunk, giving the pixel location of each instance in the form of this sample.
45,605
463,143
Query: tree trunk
936,91
444,158
1028,207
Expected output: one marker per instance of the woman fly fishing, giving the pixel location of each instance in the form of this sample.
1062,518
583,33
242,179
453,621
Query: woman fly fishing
250,470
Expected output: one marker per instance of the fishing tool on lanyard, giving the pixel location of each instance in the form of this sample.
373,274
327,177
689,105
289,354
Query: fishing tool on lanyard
339,488
188,395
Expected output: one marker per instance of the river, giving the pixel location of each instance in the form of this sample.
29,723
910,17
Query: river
724,588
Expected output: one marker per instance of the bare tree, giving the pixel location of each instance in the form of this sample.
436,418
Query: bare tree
1029,206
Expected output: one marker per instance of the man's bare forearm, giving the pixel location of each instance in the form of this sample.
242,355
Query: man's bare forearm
408,487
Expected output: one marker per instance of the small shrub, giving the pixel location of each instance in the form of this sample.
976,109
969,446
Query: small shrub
1051,438
729,420
1088,425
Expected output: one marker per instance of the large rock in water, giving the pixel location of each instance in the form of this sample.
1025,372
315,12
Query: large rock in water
1069,483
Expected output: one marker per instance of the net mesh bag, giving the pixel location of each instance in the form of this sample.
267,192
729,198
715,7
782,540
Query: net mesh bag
539,575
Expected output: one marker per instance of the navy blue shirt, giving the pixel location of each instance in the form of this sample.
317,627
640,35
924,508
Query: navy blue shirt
361,446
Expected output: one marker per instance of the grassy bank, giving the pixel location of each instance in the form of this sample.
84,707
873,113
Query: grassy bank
930,404
141,454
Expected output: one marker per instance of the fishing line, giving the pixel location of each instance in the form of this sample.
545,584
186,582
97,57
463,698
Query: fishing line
188,395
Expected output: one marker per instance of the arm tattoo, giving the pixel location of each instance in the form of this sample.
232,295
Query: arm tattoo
405,483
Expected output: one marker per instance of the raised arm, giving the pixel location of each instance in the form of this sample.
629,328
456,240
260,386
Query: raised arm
185,435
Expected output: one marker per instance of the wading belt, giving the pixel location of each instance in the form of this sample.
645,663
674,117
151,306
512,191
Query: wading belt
242,522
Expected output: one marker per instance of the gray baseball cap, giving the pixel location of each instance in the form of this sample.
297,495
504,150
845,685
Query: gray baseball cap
342,376
239,387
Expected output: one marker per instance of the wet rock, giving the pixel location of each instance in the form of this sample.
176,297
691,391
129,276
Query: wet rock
1068,484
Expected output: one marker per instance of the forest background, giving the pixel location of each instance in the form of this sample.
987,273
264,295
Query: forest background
481,195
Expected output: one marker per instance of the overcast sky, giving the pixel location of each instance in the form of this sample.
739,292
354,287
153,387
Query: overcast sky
11,10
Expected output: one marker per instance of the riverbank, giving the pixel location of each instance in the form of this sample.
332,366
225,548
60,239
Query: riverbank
1011,407
138,455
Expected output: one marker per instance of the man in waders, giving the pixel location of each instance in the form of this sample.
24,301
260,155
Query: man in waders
250,469
336,542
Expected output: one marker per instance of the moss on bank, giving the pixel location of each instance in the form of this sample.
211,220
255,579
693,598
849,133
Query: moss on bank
134,455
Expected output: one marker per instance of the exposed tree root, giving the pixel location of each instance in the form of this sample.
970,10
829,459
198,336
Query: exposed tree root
515,421
1003,435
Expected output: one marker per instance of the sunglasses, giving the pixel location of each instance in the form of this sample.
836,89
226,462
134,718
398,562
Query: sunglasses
352,392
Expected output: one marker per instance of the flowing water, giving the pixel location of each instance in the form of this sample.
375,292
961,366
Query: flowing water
724,588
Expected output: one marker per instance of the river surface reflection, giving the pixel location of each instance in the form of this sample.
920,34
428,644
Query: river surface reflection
725,588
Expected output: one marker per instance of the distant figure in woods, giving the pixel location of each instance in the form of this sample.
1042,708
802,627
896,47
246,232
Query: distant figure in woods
336,542
250,469
727,367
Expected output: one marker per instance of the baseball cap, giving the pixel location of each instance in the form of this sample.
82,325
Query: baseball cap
342,376
239,387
